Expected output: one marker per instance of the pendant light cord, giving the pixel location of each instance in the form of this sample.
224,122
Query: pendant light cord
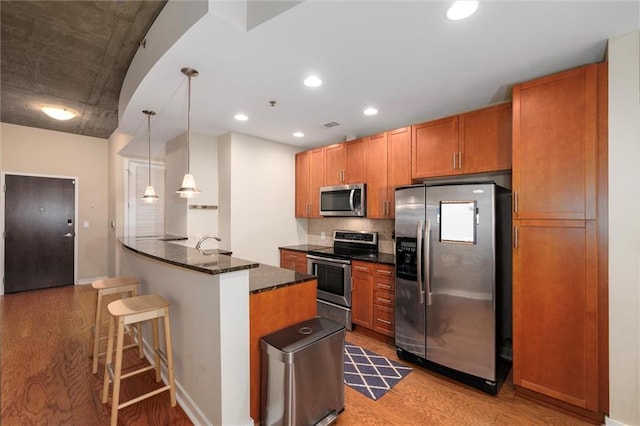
149,133
189,127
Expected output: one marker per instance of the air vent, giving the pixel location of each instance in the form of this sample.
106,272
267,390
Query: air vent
330,124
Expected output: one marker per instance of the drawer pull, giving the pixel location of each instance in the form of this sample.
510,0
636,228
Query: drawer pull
383,321
383,271
387,301
385,286
361,268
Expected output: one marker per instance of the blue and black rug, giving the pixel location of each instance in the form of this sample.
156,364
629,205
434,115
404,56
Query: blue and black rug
371,374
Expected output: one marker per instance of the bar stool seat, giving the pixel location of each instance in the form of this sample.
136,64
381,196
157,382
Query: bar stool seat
129,311
126,285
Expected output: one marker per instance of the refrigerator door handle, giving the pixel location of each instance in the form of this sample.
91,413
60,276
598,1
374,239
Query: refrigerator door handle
420,239
427,246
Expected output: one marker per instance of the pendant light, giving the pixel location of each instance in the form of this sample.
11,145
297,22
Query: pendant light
188,188
149,193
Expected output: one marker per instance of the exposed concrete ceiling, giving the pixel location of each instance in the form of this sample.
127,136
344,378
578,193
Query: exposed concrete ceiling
73,54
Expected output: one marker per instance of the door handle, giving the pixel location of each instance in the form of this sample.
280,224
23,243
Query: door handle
419,238
68,235
426,263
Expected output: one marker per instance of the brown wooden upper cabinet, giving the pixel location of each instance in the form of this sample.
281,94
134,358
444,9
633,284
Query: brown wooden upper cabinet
474,142
345,163
555,146
388,166
309,179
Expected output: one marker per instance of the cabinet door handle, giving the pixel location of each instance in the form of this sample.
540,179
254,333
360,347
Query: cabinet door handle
460,160
515,237
515,201
454,161
383,321
380,299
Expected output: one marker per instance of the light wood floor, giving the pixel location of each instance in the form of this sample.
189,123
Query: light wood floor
45,378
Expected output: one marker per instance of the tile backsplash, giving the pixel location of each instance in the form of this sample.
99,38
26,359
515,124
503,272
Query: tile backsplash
384,228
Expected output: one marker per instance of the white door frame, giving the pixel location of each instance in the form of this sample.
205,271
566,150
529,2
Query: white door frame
129,211
75,221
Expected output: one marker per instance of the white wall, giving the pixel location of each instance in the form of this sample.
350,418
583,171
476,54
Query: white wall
624,229
203,163
224,190
258,177
116,196
204,167
175,214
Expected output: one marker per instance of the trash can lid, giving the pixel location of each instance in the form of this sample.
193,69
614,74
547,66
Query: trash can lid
300,335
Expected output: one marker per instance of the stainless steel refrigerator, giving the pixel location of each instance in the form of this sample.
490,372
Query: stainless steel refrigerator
453,280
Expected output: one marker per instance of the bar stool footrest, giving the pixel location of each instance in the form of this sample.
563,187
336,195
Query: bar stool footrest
145,396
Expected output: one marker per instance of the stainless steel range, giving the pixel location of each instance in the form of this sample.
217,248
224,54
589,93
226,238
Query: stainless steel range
332,266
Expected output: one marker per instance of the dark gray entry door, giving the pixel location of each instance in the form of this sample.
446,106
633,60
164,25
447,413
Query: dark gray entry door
39,226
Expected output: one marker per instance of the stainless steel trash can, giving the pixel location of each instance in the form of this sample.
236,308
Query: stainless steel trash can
303,374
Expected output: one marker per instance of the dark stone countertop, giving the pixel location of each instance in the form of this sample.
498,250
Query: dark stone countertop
384,258
304,247
266,277
216,261
208,261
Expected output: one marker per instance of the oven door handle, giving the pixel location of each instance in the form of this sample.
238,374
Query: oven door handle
327,260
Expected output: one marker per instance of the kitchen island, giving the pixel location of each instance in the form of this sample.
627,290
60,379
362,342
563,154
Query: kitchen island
220,307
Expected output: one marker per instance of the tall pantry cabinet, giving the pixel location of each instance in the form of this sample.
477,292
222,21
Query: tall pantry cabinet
559,219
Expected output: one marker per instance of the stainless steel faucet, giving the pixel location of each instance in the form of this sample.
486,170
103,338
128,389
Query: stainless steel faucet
207,237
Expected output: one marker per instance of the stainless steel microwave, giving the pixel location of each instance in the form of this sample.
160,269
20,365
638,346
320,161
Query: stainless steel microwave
343,200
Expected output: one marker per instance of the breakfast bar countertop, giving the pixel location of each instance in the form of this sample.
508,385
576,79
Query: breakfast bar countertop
216,261
266,277
207,261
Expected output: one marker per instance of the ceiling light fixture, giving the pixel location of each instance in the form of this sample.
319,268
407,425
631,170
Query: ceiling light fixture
149,193
462,9
312,81
59,113
298,134
188,188
370,111
241,117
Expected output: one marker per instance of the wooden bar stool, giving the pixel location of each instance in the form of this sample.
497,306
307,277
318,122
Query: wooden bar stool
129,311
124,285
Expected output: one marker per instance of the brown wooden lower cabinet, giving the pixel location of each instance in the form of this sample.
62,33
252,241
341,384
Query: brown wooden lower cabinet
362,294
270,311
293,260
555,310
384,285
373,298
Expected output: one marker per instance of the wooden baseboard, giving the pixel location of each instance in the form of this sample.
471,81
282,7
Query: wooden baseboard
374,334
590,416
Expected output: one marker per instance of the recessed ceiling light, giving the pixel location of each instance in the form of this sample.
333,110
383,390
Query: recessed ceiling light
241,117
370,111
298,134
312,81
462,9
59,113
